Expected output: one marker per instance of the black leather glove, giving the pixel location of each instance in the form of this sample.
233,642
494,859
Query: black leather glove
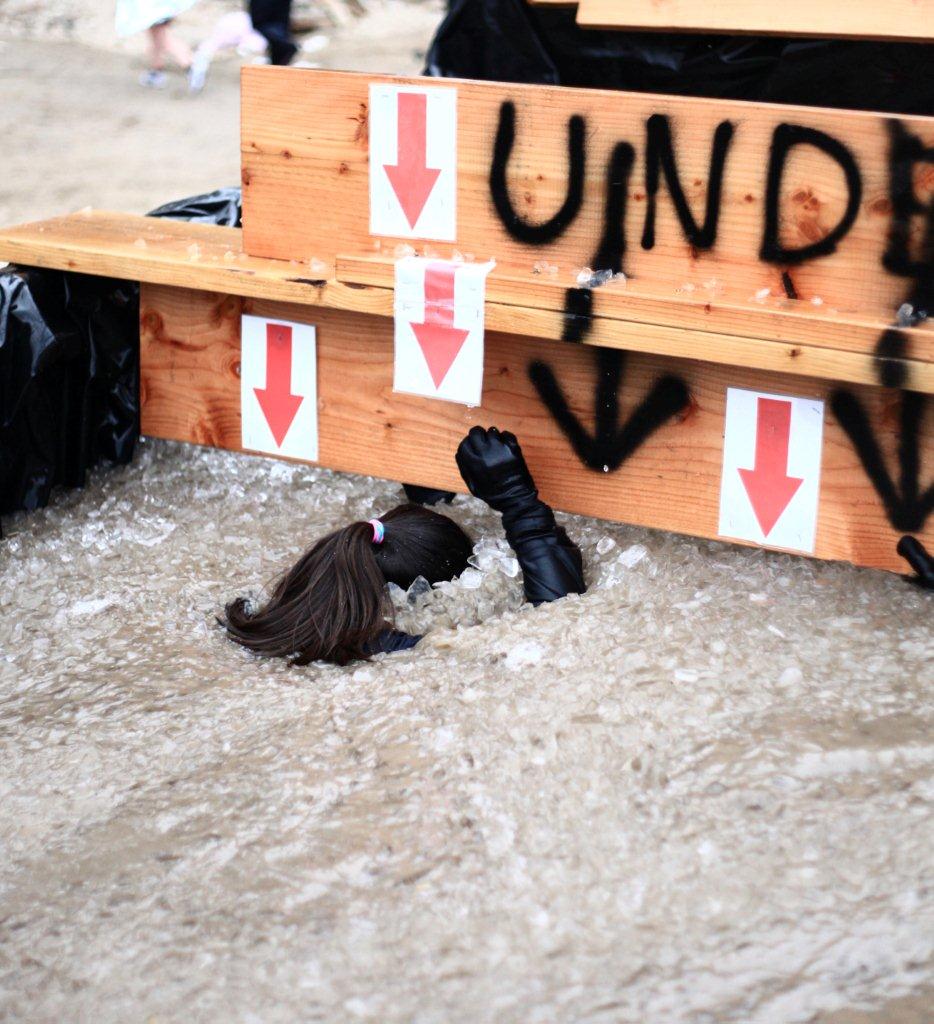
494,470
493,467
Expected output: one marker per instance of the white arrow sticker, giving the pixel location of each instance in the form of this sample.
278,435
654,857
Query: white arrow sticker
413,162
771,469
279,388
439,329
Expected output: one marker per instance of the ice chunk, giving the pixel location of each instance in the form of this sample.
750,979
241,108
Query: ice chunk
632,556
418,587
525,653
588,278
605,544
471,579
93,605
494,553
791,676
905,315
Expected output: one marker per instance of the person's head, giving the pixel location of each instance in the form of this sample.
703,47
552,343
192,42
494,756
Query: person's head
333,602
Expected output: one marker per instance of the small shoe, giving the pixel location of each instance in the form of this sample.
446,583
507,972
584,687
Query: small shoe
315,43
198,74
153,79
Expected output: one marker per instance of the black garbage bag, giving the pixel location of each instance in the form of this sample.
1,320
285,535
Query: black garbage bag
69,373
69,368
512,41
222,207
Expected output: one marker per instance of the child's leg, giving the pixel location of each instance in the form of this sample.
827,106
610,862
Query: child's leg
176,48
154,78
157,49
231,31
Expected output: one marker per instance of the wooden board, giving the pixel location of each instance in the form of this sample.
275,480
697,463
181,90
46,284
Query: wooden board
779,334
865,19
191,392
200,256
305,186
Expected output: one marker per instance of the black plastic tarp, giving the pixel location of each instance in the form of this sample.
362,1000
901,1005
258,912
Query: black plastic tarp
69,368
512,41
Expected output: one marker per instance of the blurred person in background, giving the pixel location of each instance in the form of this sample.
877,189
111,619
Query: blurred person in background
271,19
155,16
234,31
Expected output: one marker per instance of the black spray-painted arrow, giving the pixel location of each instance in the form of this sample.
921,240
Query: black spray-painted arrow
906,505
915,554
610,445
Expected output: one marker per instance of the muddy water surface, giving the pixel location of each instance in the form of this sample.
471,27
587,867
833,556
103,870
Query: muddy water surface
702,792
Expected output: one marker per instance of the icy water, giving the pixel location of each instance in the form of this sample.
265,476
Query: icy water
702,792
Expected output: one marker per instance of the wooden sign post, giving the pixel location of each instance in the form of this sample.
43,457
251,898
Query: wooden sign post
702,316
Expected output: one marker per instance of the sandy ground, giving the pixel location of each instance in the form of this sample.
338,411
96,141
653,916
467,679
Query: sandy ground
78,130
701,793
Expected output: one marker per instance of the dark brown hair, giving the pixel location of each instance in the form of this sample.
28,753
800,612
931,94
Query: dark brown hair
333,603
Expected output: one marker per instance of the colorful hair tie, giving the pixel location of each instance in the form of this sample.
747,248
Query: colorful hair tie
379,530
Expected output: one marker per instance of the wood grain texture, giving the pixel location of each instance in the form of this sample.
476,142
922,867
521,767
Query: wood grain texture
305,186
134,248
828,345
779,334
191,392
864,19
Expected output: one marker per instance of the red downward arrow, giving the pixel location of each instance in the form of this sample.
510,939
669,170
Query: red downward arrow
439,339
278,403
769,487
411,180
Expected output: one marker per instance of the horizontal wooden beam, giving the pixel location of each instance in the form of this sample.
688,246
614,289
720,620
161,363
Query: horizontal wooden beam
190,388
908,20
811,343
831,348
911,20
147,249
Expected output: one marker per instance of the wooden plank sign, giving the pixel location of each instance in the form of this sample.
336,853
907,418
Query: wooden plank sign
754,205
191,391
609,208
